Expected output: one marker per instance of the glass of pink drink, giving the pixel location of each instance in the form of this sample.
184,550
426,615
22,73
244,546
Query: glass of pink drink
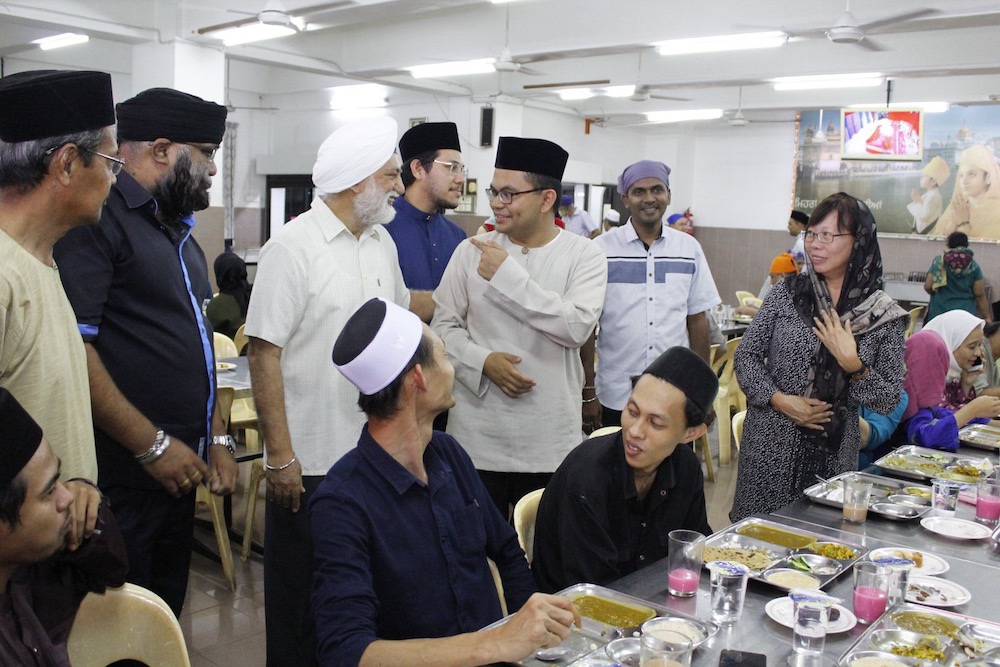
988,501
684,558
870,591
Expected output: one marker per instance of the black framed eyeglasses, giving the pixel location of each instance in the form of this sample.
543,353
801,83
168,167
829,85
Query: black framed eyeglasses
208,151
823,237
454,168
506,196
116,163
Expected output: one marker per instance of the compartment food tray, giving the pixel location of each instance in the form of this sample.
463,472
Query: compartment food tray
831,493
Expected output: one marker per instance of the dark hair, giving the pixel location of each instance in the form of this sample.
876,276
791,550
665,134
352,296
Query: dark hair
799,217
543,182
23,164
385,403
957,240
11,500
426,159
693,415
844,205
991,328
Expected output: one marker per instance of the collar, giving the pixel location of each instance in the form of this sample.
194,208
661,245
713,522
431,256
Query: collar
332,226
398,477
665,477
134,194
404,207
632,235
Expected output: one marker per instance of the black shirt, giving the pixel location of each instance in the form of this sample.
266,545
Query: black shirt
137,285
591,525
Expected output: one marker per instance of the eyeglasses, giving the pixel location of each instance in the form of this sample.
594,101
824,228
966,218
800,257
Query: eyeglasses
116,164
822,237
506,196
454,167
208,151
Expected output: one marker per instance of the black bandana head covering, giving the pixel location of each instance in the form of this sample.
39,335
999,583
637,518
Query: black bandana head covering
165,113
231,277
535,156
20,437
53,103
428,137
861,300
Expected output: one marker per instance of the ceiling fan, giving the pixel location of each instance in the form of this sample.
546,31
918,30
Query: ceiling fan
275,13
506,62
848,30
642,90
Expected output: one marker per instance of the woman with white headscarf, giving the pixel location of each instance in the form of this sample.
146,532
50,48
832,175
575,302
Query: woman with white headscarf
975,203
962,333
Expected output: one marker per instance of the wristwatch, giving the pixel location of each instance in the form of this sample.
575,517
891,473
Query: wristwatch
226,441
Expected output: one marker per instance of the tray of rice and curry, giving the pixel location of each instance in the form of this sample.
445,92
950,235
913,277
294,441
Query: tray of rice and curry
782,556
980,436
608,615
920,463
910,635
890,498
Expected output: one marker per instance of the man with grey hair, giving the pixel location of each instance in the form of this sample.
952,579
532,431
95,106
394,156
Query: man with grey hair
57,144
312,275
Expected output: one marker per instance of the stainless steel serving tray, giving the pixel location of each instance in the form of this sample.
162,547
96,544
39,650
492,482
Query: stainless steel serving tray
985,634
731,537
980,436
831,493
910,456
586,644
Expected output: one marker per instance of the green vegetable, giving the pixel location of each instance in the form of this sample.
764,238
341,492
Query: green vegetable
799,563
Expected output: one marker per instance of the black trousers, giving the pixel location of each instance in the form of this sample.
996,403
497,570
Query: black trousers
288,570
159,535
610,417
506,488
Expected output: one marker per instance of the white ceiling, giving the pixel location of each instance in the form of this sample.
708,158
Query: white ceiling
952,54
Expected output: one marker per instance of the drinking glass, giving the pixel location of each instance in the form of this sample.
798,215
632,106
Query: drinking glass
684,558
809,626
729,588
871,591
660,647
945,494
857,492
988,501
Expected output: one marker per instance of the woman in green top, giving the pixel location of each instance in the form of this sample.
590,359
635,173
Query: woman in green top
228,310
955,281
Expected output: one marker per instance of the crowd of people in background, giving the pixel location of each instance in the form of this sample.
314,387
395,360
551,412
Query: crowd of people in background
412,384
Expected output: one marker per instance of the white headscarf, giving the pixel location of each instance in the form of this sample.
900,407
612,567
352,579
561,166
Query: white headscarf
954,327
353,153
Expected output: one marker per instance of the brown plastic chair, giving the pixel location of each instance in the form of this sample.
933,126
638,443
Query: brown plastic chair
127,623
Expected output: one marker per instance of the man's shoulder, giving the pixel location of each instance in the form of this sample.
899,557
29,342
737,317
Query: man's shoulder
581,246
591,455
678,241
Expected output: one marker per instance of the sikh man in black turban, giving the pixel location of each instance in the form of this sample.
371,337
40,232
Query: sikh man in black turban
137,282
612,503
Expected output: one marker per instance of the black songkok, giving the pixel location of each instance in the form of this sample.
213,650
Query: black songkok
165,113
799,217
688,372
428,137
53,103
19,438
535,156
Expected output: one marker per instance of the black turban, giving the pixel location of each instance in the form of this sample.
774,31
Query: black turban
165,113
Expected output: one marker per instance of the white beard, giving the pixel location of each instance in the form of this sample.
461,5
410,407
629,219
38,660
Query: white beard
372,207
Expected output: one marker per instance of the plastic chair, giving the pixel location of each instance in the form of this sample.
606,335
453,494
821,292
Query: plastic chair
729,397
241,339
752,301
524,521
253,487
205,499
224,346
743,295
738,420
915,315
127,623
499,584
604,430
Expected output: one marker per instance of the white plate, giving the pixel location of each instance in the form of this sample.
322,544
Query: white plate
781,611
945,593
931,564
958,529
224,366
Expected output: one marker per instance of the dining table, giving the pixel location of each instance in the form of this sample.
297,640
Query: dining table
234,373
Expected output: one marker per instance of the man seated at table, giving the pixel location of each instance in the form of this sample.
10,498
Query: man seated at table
611,504
40,592
782,266
402,525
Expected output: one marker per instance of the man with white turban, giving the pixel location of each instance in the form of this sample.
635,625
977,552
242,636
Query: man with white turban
312,275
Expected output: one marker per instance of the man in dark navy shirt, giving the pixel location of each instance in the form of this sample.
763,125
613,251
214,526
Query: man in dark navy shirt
402,526
433,175
612,503
137,282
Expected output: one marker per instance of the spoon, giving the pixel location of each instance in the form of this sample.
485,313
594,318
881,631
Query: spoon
552,654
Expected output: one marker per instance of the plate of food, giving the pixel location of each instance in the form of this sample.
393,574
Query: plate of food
224,366
925,564
935,592
956,529
781,611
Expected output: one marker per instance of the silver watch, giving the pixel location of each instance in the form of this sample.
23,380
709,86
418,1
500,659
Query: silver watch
226,441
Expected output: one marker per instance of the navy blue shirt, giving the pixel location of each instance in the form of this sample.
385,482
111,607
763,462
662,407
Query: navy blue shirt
424,242
592,526
136,285
398,559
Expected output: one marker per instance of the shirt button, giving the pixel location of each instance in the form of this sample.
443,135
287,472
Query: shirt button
642,558
642,525
663,492
650,298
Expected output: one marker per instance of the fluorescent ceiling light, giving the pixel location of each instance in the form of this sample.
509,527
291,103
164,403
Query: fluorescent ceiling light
575,93
619,91
362,96
749,40
926,107
59,41
681,115
457,68
824,81
252,32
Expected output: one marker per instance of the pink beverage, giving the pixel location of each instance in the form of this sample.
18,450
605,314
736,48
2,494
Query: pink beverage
988,509
682,581
869,603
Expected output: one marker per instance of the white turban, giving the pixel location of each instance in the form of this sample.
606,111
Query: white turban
353,153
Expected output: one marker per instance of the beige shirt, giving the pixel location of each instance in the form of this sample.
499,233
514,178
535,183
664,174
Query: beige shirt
311,277
541,306
42,359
